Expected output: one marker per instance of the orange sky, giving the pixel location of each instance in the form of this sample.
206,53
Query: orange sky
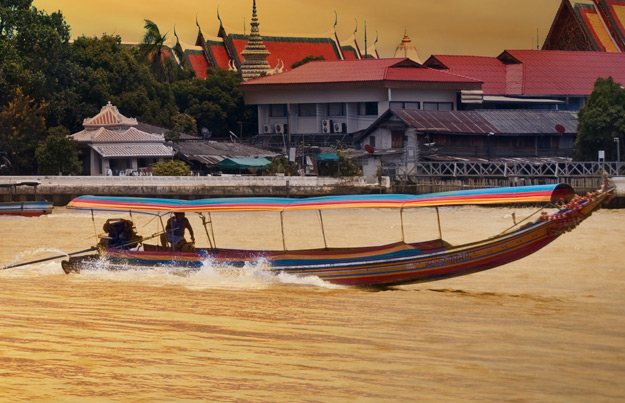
473,27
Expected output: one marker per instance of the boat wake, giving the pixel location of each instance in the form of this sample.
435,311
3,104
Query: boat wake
211,275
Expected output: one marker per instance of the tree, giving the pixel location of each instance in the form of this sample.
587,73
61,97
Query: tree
171,168
280,165
34,49
117,73
215,103
22,126
161,65
601,120
307,59
58,154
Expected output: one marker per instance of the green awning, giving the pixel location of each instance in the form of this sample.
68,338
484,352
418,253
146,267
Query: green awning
242,163
328,157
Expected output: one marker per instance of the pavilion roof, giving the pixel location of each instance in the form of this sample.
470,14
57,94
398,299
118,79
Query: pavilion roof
109,116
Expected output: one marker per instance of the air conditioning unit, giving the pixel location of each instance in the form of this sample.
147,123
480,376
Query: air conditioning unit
282,128
339,127
268,129
326,126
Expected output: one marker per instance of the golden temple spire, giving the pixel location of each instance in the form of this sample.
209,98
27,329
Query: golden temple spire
255,53
407,49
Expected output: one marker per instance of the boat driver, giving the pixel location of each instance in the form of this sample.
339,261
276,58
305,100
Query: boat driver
175,228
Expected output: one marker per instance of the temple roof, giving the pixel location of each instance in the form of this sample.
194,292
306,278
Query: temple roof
536,72
289,50
589,27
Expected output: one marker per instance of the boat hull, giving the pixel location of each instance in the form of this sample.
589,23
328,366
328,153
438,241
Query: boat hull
26,209
392,264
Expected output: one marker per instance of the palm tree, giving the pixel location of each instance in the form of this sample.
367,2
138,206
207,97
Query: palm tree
152,48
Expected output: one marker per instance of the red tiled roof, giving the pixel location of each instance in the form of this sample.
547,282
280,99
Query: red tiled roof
367,70
487,69
536,72
349,53
554,72
199,64
219,51
289,50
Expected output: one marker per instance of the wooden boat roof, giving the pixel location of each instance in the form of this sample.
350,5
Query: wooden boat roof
507,195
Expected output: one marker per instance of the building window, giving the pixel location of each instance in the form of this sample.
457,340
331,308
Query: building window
307,110
368,108
336,109
277,111
397,139
406,105
438,106
372,141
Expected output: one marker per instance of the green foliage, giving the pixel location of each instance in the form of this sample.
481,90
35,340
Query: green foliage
181,122
62,83
343,167
162,66
307,59
280,165
601,120
215,103
171,168
22,126
347,166
58,154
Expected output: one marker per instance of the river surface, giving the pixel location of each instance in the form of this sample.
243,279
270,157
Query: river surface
548,328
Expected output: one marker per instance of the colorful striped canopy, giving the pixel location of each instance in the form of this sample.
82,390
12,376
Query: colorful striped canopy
508,195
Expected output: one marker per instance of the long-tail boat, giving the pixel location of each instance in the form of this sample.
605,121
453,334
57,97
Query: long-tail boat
384,265
32,208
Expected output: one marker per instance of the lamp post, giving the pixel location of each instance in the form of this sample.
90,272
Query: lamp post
617,140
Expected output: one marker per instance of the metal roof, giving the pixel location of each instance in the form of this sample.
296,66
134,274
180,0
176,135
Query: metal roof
500,122
536,72
358,71
446,121
211,152
134,150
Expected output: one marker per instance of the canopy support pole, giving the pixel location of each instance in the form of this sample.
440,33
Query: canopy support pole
401,218
438,219
164,237
210,241
95,231
210,220
323,231
282,229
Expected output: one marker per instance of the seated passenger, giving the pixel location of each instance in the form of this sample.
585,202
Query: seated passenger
175,229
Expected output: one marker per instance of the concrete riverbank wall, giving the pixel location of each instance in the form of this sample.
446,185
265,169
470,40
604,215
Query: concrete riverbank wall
61,189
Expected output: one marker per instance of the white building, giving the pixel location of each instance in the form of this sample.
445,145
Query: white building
333,97
348,96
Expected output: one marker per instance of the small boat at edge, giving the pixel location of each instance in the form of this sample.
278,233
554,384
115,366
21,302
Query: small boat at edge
32,208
